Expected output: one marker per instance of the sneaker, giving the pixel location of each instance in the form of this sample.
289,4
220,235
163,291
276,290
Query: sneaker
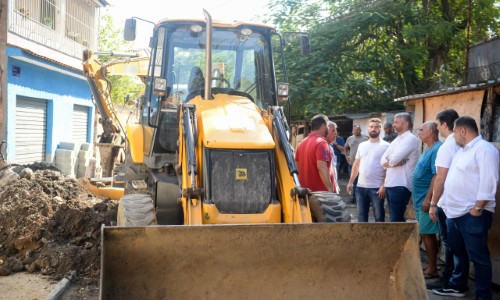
437,284
449,292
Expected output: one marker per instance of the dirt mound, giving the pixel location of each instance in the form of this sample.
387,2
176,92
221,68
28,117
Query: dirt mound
50,223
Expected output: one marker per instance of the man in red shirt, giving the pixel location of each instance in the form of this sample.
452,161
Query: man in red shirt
314,157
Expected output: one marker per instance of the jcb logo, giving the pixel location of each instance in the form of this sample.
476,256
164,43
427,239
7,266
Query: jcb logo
241,174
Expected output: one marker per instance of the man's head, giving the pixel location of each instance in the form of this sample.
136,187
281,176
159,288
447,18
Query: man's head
332,132
356,130
374,128
402,122
428,133
388,129
465,130
445,121
318,125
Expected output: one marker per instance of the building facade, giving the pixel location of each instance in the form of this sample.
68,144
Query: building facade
47,99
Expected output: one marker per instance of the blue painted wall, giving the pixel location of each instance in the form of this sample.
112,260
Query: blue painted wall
61,91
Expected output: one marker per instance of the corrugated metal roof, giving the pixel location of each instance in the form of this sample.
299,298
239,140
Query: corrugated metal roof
452,90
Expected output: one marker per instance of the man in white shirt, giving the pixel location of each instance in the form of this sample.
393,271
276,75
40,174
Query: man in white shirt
456,276
370,187
469,202
400,160
330,138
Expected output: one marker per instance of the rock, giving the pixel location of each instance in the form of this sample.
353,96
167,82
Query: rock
26,173
5,270
15,264
7,176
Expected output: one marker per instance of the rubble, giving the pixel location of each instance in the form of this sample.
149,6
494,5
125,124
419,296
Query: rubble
49,223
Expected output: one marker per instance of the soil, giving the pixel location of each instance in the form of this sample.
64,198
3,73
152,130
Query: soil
50,224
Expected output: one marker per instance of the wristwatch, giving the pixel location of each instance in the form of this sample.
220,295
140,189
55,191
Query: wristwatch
478,209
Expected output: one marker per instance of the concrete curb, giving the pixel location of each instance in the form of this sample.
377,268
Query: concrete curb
61,286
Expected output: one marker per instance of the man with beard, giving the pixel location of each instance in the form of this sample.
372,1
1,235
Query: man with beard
400,160
314,158
370,187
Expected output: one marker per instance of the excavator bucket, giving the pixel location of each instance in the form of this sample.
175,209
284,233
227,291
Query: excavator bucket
283,261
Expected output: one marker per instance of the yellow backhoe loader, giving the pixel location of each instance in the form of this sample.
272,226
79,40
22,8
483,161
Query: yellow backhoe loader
213,208
112,141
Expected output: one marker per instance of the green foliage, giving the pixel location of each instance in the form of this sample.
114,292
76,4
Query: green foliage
111,39
367,53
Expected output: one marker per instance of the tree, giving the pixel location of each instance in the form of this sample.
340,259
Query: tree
366,53
111,39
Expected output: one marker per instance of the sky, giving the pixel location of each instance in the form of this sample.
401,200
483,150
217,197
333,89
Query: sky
156,10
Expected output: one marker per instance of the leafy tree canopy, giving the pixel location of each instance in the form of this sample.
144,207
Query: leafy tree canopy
367,53
111,39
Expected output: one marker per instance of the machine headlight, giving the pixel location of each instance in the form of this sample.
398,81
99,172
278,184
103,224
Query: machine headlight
282,89
160,86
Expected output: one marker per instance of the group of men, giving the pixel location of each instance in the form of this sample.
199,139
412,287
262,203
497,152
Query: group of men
452,184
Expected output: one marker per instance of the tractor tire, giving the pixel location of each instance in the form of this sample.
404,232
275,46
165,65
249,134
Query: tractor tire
328,207
133,171
136,210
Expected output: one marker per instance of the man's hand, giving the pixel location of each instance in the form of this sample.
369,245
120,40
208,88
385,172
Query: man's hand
473,211
426,205
349,188
433,213
381,193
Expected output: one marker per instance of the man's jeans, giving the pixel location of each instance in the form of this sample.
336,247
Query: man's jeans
469,235
365,196
398,198
461,271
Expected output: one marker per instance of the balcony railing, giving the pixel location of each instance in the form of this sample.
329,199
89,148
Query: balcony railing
69,31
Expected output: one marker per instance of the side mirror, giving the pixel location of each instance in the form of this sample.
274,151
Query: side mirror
305,47
129,30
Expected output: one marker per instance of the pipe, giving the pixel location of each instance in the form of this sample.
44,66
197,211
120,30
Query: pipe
208,57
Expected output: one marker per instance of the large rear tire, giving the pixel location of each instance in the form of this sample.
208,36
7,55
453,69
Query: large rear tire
136,210
328,207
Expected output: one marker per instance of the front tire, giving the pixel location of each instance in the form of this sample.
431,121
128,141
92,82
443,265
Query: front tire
136,210
328,207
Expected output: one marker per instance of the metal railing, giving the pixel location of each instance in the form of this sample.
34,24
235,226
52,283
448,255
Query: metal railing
68,27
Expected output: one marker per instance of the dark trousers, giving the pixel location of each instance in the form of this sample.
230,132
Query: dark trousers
365,197
398,198
462,270
468,235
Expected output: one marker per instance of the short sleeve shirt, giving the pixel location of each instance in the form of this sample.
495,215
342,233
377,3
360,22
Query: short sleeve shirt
423,173
313,148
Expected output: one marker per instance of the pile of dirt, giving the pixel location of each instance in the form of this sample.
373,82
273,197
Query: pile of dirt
50,223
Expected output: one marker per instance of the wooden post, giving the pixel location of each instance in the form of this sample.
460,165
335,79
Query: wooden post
488,118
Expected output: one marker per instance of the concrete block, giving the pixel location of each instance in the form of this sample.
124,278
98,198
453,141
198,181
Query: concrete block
86,146
67,145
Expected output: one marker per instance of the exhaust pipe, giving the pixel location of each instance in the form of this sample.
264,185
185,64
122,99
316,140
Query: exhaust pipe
208,57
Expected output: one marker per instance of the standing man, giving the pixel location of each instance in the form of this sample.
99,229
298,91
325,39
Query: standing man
390,135
456,275
469,200
338,146
370,189
400,160
422,182
350,149
330,138
314,158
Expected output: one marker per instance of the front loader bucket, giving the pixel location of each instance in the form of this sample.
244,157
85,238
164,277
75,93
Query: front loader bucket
283,261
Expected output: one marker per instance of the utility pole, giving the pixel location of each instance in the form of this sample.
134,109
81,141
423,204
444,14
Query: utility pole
4,4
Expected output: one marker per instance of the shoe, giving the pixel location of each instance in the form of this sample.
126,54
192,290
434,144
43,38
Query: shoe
430,276
437,284
449,292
